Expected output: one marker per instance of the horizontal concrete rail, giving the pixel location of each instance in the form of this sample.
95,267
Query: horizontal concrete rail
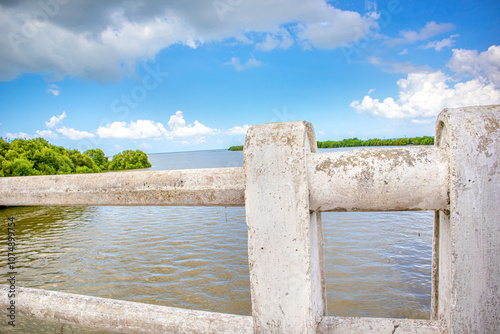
191,187
120,316
345,325
389,179
392,179
129,317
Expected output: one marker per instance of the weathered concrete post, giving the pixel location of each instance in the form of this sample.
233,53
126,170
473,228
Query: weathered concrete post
285,242
467,251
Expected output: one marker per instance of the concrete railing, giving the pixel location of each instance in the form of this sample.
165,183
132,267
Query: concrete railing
284,186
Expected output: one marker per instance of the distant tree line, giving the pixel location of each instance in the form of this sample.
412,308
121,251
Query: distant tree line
355,142
236,148
22,157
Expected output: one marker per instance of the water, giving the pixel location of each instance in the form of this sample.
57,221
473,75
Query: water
377,264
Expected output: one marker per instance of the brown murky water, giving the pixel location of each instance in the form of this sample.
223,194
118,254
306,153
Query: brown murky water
377,264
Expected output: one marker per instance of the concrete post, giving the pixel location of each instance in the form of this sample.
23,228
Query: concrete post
285,246
466,273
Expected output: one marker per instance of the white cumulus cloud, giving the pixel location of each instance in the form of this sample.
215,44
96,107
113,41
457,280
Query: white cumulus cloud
46,134
55,120
333,28
177,120
134,130
148,129
237,130
484,65
426,93
70,37
15,135
74,134
178,127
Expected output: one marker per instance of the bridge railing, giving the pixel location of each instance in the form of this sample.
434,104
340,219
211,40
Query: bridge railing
285,185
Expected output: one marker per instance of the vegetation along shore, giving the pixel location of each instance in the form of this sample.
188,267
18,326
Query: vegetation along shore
355,142
22,157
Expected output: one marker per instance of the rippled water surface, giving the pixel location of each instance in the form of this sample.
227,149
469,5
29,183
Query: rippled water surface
377,264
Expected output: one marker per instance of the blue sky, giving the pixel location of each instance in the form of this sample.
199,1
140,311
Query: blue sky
166,76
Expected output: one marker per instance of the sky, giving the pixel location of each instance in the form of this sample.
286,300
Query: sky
180,75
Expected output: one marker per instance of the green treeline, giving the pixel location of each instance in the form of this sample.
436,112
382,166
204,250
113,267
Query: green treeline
22,157
236,148
355,142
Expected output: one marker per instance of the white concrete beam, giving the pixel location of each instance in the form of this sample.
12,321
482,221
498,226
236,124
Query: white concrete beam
190,187
119,316
350,325
385,179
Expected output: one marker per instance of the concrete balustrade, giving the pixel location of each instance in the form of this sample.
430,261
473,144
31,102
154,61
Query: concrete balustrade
120,316
284,186
339,181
